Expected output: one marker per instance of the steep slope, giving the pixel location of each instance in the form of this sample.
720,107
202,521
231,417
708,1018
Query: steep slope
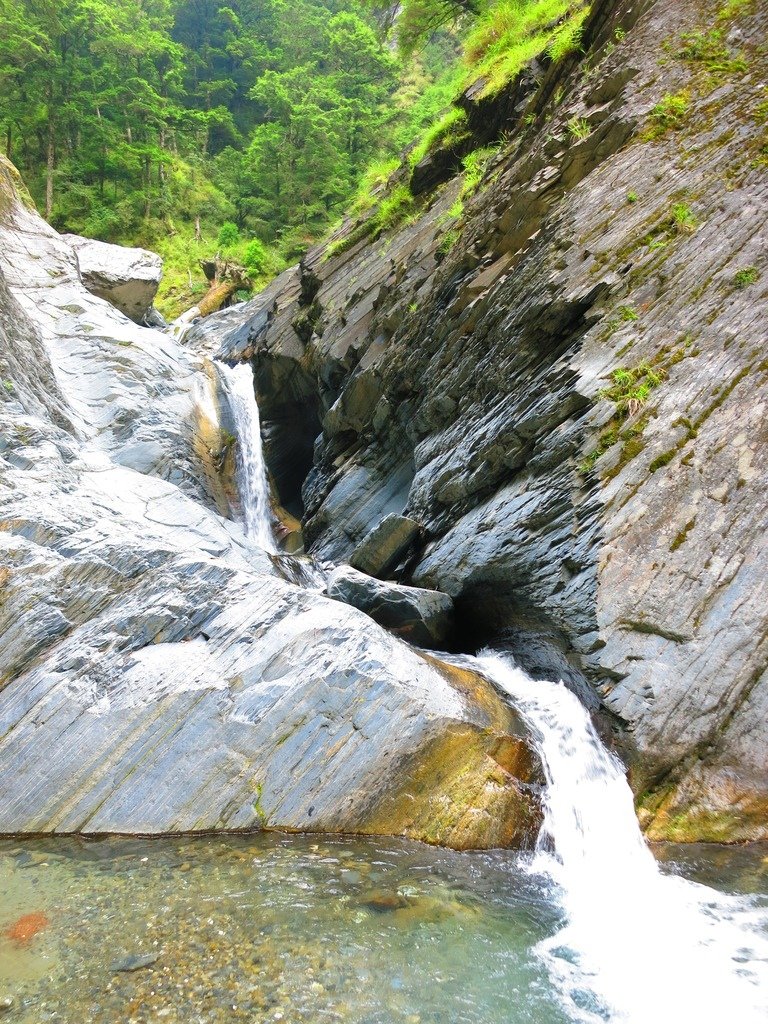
564,383
158,672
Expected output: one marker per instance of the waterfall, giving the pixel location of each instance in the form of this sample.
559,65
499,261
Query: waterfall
636,946
251,469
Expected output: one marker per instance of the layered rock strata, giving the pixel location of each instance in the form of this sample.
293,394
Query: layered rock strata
565,385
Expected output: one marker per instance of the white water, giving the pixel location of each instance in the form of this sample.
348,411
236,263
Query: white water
251,470
637,946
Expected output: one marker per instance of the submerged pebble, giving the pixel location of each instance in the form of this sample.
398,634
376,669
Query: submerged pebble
134,963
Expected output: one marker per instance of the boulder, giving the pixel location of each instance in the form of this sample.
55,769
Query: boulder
126,277
422,616
385,545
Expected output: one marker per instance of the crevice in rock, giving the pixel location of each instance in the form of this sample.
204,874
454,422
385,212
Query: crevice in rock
290,419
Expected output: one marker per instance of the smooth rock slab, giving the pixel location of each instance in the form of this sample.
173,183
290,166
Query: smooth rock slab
424,617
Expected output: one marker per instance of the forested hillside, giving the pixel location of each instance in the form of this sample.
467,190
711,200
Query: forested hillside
190,127
187,126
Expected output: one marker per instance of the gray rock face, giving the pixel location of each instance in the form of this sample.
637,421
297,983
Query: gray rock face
423,617
127,278
571,400
157,672
385,545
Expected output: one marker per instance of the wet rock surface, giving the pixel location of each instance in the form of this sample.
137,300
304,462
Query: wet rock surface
424,617
158,671
135,962
570,397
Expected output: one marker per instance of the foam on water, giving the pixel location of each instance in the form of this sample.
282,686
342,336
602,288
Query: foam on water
636,946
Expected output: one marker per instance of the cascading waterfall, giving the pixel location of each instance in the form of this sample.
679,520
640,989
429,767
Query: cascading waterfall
637,946
251,469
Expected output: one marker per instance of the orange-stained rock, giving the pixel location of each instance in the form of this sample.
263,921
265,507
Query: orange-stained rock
26,928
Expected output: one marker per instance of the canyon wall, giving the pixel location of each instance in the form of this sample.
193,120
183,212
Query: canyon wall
561,376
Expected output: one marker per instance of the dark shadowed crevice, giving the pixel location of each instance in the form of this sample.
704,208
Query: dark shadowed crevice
290,423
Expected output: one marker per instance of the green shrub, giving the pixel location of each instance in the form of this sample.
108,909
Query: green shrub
683,219
668,114
255,256
630,388
449,129
732,8
229,235
508,34
567,38
475,165
393,209
447,242
376,175
710,50
579,128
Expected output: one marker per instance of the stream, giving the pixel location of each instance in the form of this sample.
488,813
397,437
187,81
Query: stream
309,928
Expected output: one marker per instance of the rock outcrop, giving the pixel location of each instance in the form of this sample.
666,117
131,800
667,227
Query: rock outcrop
127,278
157,671
565,385
387,543
424,617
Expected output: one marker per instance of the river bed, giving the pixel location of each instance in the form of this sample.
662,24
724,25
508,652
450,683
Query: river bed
272,927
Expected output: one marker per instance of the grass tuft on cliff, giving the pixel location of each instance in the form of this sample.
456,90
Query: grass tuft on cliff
509,34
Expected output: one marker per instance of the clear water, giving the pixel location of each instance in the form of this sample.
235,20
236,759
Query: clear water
270,928
588,928
251,468
291,928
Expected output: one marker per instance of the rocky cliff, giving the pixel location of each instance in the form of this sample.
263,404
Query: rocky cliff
158,671
560,374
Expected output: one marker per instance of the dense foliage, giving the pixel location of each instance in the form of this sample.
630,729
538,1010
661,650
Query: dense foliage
158,121
192,127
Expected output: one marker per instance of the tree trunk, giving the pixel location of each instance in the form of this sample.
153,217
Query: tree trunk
198,235
50,167
148,186
161,163
216,297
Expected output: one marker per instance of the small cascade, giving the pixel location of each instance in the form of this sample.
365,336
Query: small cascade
251,469
637,946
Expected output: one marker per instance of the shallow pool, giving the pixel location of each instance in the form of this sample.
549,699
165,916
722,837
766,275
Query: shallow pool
292,928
